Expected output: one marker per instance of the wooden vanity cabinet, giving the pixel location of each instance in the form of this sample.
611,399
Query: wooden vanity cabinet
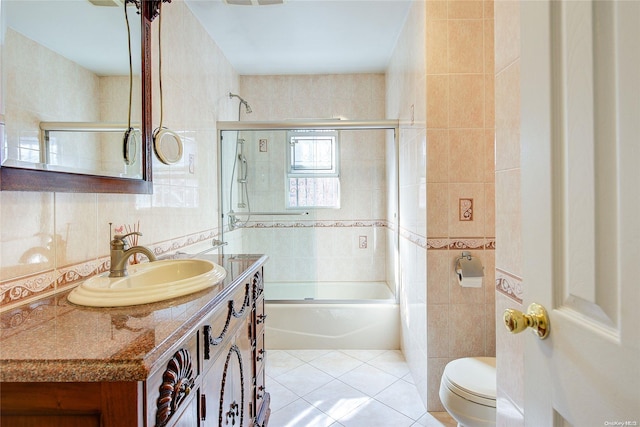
166,398
229,394
212,377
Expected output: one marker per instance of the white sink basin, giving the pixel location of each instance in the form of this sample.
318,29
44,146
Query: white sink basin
148,282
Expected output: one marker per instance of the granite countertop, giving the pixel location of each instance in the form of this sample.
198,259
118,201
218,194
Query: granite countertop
53,340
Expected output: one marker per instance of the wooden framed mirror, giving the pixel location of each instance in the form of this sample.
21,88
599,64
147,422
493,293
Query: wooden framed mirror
16,177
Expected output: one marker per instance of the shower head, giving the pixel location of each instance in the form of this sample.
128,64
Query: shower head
242,101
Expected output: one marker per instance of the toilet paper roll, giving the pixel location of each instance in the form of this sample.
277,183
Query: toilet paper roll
470,282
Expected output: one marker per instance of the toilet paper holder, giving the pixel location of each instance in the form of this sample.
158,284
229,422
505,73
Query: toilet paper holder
469,270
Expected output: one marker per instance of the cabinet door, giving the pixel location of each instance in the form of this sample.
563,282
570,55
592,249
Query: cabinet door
224,322
225,387
243,343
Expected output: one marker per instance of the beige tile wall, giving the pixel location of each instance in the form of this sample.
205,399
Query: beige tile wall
72,230
298,249
460,143
406,90
510,407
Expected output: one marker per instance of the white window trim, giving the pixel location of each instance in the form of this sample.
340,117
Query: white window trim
300,173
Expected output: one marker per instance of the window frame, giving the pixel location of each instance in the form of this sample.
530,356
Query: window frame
309,173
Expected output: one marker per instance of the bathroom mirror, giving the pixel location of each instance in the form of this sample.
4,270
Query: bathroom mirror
74,120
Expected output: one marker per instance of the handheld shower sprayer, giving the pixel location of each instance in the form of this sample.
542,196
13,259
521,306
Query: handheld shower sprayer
247,108
241,167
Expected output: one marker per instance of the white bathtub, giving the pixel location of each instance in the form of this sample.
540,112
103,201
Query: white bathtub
331,315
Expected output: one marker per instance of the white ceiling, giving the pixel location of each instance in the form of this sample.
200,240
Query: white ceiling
297,37
305,36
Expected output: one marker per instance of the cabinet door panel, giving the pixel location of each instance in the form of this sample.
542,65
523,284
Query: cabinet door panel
224,387
244,345
222,324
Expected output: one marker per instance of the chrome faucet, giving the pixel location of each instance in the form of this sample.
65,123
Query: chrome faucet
120,256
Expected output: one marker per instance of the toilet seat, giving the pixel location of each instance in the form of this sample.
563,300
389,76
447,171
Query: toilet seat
473,379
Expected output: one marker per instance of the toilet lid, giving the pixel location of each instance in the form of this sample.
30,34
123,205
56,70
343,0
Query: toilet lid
476,376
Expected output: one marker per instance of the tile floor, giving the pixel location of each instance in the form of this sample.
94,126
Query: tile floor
348,388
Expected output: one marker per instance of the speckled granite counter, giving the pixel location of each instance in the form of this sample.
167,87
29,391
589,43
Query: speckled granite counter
52,340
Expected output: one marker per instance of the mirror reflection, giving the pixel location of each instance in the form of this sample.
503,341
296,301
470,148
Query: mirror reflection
71,101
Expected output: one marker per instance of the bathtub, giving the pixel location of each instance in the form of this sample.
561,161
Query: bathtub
331,315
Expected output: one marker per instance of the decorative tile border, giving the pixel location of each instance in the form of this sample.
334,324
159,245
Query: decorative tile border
462,243
415,238
314,224
42,284
168,246
509,285
25,289
19,291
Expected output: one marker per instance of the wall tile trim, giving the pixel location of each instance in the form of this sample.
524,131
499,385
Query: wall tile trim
509,285
26,289
314,224
461,243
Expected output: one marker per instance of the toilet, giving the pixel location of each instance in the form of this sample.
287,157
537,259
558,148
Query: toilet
468,391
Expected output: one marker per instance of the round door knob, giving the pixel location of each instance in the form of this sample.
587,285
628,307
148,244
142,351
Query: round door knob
536,318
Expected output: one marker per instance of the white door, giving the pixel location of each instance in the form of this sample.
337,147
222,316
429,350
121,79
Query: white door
580,158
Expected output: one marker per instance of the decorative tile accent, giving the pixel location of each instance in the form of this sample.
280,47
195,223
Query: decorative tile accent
465,209
417,239
470,243
437,244
509,285
462,243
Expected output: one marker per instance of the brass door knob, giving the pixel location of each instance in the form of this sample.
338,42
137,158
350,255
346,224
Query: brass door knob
536,318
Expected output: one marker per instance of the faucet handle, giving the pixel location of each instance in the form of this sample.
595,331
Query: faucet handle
118,241
123,236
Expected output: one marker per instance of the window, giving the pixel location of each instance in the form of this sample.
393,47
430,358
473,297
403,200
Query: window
313,169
